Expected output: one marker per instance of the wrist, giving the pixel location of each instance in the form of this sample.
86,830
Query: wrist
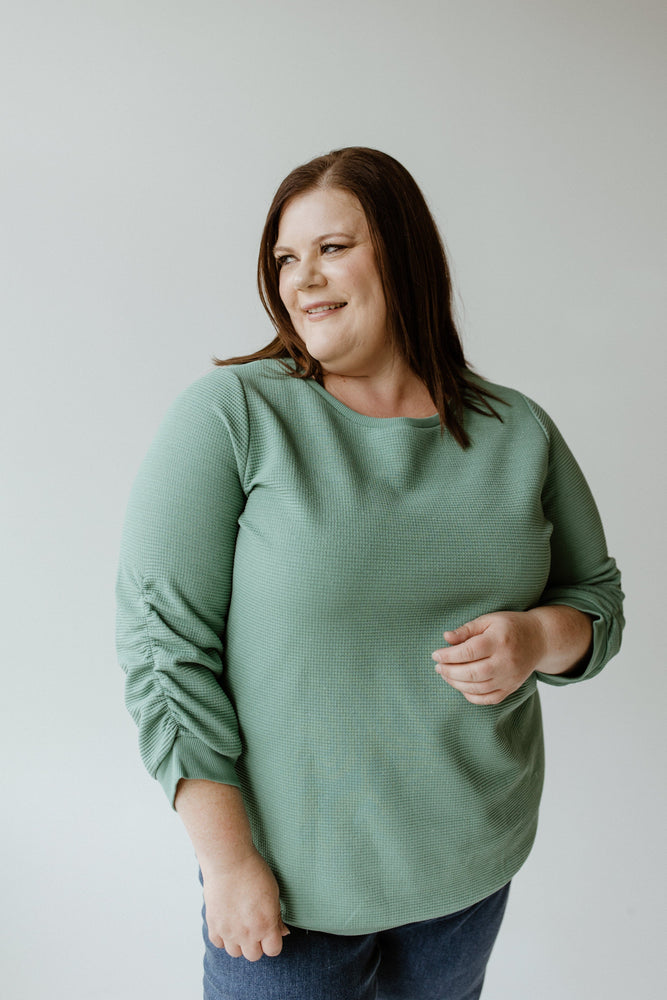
566,637
217,823
226,861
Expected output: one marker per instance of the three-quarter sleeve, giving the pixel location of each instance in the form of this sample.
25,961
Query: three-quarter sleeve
583,575
174,585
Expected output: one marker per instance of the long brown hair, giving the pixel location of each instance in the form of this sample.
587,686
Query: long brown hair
415,277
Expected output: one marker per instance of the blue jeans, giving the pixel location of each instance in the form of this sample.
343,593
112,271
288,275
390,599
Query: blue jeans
442,959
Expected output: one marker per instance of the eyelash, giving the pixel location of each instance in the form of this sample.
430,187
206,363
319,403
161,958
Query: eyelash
286,258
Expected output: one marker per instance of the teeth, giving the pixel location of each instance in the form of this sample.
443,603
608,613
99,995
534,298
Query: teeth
321,309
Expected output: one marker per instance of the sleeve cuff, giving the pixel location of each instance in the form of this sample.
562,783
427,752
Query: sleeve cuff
596,659
189,757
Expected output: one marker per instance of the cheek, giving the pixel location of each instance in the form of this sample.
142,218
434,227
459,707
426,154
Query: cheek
283,290
368,283
375,298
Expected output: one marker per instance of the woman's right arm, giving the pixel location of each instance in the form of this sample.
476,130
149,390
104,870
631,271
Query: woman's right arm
240,890
174,588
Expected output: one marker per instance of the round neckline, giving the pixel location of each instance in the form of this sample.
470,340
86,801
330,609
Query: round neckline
363,418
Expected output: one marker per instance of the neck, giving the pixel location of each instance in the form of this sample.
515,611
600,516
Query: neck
399,393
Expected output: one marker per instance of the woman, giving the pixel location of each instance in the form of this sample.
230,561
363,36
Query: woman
308,523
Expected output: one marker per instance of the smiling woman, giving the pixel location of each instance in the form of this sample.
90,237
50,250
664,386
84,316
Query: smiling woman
309,523
331,287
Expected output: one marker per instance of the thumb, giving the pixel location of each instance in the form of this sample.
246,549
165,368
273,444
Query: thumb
465,631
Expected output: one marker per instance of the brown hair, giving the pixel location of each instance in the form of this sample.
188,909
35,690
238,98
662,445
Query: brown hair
413,268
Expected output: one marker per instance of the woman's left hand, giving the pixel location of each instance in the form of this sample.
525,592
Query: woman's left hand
490,657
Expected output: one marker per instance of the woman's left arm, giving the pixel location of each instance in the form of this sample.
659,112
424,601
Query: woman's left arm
575,627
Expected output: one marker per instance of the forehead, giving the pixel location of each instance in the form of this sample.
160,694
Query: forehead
320,211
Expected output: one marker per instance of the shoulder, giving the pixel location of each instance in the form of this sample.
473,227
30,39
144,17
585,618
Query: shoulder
244,402
232,380
515,408
225,388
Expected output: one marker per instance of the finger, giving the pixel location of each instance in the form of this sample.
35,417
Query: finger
233,950
465,631
478,692
465,686
475,672
477,648
490,698
272,944
253,951
215,939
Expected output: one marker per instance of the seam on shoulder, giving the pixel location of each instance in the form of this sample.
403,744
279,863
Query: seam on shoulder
532,407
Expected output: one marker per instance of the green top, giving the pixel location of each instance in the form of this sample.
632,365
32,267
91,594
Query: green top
288,566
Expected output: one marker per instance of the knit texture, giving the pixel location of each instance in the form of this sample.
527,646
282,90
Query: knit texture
288,566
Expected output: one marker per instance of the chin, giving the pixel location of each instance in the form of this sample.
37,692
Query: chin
327,358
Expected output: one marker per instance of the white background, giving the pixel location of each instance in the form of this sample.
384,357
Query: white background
141,144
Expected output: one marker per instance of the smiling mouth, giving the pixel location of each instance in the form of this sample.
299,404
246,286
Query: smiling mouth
328,308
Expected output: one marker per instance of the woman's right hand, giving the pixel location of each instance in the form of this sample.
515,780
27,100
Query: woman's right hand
240,890
243,908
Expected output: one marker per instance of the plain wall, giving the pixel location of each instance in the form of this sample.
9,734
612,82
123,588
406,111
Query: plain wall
141,143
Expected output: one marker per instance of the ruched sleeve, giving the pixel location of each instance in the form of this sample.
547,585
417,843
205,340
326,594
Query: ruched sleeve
582,573
174,584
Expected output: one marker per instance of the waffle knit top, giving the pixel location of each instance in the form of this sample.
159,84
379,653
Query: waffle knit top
288,566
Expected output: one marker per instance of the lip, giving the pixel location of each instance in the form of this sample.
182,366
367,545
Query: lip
327,307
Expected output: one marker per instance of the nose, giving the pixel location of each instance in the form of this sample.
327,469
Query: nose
307,274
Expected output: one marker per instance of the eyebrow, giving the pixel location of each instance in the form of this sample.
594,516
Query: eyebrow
319,239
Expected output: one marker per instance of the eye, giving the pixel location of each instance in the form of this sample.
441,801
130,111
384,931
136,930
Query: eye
284,259
327,248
